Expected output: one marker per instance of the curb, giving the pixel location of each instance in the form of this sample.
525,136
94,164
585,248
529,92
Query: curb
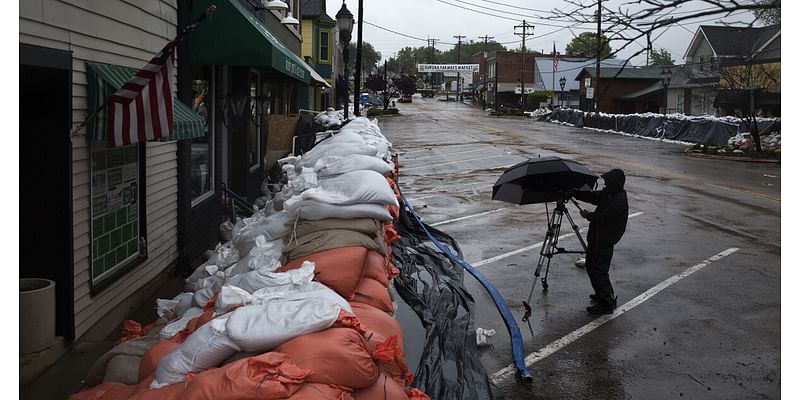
690,153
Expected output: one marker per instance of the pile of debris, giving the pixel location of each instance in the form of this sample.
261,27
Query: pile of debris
295,305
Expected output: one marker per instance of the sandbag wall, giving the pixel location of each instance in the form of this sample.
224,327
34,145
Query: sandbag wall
297,305
715,131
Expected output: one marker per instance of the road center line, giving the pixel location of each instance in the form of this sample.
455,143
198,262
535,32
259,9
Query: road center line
559,344
454,162
531,247
467,217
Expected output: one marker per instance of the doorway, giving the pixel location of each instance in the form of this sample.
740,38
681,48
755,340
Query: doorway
45,175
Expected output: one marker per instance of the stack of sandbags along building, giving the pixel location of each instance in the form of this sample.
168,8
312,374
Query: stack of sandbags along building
296,305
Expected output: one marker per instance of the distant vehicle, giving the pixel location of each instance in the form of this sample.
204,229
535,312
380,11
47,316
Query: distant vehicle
429,93
406,98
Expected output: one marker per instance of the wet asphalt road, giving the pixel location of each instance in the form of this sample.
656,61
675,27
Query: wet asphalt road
686,328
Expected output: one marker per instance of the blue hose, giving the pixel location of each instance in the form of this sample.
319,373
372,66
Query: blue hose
499,301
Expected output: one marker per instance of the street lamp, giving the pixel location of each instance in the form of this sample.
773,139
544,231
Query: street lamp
666,75
562,82
344,21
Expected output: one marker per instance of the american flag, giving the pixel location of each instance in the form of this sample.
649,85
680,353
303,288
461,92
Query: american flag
555,58
141,109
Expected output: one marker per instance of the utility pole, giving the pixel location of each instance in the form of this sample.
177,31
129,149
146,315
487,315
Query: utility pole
524,34
432,45
385,87
458,61
597,63
485,87
357,83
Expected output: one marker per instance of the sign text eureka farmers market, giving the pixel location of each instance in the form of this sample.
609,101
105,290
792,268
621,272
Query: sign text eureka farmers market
447,67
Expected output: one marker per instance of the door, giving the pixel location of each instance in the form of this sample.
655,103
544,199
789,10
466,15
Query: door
45,175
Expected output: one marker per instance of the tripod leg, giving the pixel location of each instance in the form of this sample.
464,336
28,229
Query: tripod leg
577,231
556,232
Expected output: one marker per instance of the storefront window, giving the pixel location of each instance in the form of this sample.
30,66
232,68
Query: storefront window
324,45
115,209
201,176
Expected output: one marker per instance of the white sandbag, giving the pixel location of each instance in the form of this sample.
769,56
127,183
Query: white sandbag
300,181
266,277
354,187
213,282
335,165
179,324
231,297
202,271
271,227
263,327
202,296
263,254
315,210
224,256
206,348
175,307
300,292
345,143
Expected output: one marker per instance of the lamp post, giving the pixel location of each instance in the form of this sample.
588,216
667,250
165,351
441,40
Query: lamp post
562,82
344,21
666,75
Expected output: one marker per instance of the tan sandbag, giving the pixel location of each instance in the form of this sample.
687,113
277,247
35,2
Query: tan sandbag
384,388
340,269
368,226
335,356
123,369
372,292
298,246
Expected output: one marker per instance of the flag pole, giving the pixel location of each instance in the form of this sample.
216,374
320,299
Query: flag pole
207,14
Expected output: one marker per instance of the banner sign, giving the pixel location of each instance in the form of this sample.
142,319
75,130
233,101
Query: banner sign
463,68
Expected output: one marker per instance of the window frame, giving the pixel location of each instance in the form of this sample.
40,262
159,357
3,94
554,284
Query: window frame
210,134
109,277
327,45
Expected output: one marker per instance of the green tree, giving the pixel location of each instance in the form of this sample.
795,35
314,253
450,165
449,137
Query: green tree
369,58
661,58
771,15
585,45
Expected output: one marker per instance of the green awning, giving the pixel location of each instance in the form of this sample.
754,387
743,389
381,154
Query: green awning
105,79
234,36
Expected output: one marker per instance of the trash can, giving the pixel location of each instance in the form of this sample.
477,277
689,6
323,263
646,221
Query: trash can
37,314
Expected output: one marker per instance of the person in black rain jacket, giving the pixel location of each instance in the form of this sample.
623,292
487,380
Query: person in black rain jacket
607,224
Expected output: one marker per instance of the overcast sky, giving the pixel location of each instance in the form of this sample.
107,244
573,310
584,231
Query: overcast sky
443,19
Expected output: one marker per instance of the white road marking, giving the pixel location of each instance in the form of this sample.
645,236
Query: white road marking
559,344
531,247
467,217
454,162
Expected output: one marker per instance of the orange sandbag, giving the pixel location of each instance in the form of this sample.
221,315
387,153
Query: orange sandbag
390,234
320,391
375,268
335,356
106,391
394,211
340,269
384,388
265,376
154,355
374,320
372,292
416,394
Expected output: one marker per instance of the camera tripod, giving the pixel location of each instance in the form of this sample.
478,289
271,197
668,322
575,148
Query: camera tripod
550,247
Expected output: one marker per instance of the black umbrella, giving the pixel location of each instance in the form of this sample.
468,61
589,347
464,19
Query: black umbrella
541,180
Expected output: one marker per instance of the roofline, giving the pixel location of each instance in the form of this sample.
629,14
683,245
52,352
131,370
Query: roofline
694,40
768,42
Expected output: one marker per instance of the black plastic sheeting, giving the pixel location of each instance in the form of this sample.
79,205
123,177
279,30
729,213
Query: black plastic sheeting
433,286
704,130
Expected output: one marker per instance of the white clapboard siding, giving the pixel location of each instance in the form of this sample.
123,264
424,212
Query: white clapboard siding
127,33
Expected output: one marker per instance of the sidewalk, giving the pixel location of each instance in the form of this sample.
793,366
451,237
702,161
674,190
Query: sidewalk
65,377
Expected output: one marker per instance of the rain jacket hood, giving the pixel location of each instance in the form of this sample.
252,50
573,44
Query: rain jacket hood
615,180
